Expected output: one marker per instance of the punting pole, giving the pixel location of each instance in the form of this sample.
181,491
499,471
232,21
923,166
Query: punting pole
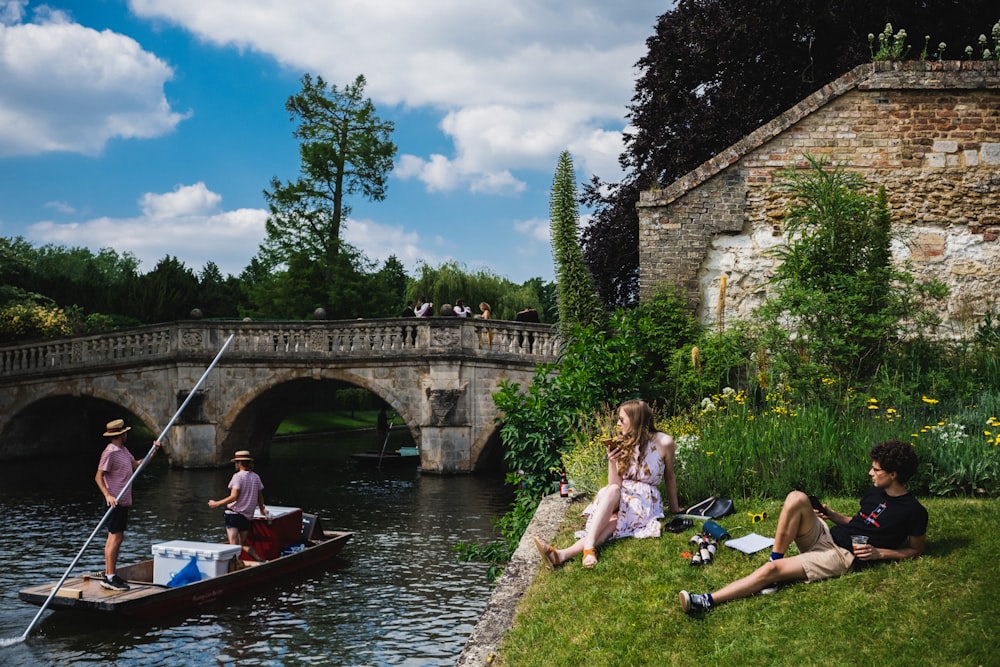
384,443
142,464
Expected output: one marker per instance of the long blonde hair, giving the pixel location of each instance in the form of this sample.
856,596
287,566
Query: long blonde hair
640,417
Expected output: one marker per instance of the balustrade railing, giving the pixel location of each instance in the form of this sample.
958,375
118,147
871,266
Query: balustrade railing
501,339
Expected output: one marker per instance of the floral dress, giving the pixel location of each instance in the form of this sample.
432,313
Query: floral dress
641,505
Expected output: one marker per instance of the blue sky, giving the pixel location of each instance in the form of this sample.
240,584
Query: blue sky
153,126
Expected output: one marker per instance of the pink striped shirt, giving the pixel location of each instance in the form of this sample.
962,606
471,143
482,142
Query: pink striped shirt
116,463
249,485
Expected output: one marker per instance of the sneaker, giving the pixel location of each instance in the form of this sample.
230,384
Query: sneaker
693,603
773,588
114,583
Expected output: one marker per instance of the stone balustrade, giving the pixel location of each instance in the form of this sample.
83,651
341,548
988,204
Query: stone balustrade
308,342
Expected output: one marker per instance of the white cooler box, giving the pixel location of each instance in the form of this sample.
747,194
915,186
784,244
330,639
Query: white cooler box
170,557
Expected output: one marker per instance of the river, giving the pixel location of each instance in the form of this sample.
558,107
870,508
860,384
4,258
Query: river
395,596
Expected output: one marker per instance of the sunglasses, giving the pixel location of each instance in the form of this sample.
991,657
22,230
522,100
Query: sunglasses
757,517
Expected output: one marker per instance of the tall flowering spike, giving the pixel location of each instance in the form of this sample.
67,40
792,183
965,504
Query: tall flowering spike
722,303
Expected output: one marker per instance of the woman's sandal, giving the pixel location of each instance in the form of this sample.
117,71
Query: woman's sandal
589,558
550,556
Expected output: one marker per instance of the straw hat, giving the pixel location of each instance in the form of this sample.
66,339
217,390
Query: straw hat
242,455
116,427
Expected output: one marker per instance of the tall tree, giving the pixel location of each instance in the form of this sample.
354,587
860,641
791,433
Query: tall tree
578,302
716,70
345,149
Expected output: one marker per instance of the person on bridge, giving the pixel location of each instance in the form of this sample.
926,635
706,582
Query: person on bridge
246,494
424,307
630,505
113,474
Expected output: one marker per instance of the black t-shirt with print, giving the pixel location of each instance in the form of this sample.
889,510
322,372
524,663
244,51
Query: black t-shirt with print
887,521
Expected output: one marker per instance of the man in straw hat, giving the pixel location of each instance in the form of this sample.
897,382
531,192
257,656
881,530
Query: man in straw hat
113,474
246,494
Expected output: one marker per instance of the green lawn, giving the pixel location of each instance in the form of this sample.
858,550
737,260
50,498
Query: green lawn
940,609
317,422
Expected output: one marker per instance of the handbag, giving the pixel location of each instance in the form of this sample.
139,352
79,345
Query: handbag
710,508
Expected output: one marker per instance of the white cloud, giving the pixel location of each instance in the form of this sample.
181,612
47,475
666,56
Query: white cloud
185,200
60,206
379,241
517,81
189,223
65,87
185,223
536,229
11,11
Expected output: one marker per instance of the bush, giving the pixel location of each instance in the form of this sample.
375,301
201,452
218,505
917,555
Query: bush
28,321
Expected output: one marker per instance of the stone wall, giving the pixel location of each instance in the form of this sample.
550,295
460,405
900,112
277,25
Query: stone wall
929,132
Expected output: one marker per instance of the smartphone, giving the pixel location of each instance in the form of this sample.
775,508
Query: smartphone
817,505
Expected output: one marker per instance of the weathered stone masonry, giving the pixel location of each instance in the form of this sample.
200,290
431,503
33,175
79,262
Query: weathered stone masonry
929,132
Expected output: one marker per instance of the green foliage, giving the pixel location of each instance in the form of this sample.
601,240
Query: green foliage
716,360
450,281
345,149
959,449
890,46
165,294
984,51
343,287
663,324
578,300
597,368
585,461
23,321
839,301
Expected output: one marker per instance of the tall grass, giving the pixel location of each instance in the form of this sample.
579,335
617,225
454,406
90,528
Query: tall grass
731,448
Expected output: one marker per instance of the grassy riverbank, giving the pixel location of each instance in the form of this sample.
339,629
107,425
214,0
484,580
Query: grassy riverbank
318,422
938,609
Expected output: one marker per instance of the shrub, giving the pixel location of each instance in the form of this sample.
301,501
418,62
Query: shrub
28,321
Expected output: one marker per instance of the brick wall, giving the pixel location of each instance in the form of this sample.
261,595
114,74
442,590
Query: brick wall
929,132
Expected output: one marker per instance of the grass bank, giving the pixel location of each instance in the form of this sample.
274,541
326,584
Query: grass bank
299,423
938,609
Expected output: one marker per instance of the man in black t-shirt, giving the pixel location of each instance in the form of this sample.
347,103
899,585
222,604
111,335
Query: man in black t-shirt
894,522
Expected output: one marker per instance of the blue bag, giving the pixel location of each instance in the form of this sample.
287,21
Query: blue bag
187,574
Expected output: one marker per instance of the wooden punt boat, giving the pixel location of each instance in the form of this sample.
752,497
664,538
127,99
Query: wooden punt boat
387,460
405,457
146,599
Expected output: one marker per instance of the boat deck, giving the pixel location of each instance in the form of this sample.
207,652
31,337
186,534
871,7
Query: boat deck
86,590
145,598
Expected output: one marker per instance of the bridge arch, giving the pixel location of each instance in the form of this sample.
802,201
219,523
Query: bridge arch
252,418
66,421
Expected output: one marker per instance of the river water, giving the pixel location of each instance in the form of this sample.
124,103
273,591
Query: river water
395,596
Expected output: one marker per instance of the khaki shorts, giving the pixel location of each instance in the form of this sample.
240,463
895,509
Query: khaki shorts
819,556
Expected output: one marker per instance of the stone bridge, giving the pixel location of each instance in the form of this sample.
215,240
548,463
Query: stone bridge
437,374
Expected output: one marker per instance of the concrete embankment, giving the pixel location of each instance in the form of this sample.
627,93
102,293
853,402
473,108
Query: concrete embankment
498,617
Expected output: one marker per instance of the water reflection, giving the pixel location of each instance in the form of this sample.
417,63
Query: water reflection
397,596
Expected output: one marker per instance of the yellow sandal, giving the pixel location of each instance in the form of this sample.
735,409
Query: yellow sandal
550,556
589,558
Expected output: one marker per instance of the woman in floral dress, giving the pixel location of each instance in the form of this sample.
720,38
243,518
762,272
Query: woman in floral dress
630,504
